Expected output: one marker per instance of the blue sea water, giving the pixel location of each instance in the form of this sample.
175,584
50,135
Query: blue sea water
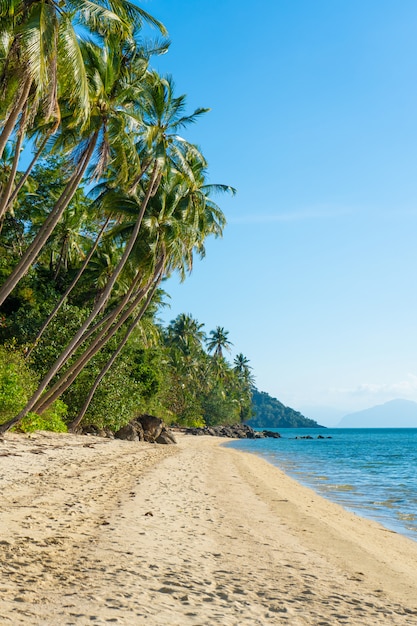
372,472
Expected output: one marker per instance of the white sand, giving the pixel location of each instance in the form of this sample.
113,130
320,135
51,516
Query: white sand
94,531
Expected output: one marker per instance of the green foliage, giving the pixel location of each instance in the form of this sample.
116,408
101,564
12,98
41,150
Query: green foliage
145,370
271,413
121,395
52,419
219,408
17,382
203,389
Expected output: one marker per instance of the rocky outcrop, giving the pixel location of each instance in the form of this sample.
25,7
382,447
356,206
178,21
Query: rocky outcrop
131,432
146,428
233,431
152,426
166,436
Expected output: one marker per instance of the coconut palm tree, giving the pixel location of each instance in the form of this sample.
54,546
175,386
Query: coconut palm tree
137,318
169,239
241,366
186,333
218,341
40,52
164,154
114,92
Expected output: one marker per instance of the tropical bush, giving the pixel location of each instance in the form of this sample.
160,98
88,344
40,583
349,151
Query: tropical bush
52,419
17,382
112,203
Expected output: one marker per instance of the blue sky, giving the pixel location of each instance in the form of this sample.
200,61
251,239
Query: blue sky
314,120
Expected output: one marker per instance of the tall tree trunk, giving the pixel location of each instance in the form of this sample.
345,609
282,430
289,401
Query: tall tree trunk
67,380
99,340
4,200
29,168
75,423
14,114
70,288
69,350
48,226
106,333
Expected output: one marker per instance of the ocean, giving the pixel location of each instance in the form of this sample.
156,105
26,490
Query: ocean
371,471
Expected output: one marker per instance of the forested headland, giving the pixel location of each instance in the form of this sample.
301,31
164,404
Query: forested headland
102,199
268,412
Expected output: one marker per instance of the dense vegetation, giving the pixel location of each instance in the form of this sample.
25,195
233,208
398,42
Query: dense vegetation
271,413
101,200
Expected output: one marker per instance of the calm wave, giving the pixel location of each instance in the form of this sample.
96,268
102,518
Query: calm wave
370,471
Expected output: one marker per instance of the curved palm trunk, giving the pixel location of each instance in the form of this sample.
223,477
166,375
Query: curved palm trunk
29,168
69,350
70,288
66,380
4,200
48,226
75,423
14,114
99,341
101,338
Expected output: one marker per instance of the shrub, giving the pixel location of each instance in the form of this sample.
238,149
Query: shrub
17,383
52,419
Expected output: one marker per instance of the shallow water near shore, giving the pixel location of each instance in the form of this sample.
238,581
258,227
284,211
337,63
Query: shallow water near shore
372,472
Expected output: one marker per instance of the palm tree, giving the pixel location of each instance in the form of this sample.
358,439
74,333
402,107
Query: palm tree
156,280
162,116
186,334
42,60
164,154
218,341
114,92
164,212
241,366
244,385
69,289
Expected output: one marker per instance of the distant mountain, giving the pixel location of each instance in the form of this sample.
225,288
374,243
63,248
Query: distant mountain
271,413
393,414
326,415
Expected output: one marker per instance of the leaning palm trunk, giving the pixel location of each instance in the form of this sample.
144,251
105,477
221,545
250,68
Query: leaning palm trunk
51,221
105,334
67,379
4,200
29,168
70,288
74,425
99,341
14,114
69,350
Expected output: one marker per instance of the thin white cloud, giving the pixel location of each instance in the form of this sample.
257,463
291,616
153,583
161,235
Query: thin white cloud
404,388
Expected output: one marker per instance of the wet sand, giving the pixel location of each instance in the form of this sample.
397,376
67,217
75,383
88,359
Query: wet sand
94,531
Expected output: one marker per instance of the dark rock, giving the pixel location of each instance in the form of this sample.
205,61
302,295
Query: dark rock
128,433
146,428
152,426
90,429
271,433
232,431
166,437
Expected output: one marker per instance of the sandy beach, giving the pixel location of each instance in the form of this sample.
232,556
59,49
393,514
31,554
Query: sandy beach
95,531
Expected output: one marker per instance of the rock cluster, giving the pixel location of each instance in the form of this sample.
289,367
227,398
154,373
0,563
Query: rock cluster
310,437
233,431
146,428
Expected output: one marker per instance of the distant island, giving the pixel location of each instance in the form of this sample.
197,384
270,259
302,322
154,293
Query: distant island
268,412
392,414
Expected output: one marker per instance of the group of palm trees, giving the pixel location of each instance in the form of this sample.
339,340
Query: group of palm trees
80,99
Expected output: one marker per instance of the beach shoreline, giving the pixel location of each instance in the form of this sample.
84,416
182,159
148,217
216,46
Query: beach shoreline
101,531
